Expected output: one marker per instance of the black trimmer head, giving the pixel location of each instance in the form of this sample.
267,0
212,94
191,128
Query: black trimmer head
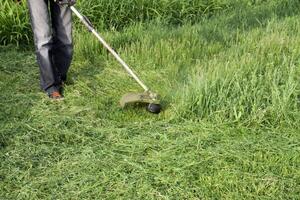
147,97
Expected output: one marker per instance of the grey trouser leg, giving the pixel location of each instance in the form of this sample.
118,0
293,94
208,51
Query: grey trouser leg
52,28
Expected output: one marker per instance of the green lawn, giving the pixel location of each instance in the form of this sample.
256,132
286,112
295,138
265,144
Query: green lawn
230,128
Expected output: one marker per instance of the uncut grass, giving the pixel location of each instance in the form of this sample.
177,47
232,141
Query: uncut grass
116,15
243,86
258,81
107,14
86,147
14,23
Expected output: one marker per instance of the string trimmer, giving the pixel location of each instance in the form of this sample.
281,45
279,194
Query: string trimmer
148,97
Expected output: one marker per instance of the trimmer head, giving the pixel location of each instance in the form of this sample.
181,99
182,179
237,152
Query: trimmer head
147,97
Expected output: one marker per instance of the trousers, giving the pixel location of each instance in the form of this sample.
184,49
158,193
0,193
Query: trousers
52,29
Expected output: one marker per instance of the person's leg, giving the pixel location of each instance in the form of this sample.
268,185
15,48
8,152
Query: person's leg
62,38
41,26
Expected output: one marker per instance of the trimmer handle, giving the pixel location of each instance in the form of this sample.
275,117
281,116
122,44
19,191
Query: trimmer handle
83,19
87,23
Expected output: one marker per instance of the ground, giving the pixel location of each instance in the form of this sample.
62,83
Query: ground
229,128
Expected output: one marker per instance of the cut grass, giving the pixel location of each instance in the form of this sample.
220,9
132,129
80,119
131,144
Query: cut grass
230,128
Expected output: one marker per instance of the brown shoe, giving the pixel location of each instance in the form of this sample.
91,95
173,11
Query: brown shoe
56,95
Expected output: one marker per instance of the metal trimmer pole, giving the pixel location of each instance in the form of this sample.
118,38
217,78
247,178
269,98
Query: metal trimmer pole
90,27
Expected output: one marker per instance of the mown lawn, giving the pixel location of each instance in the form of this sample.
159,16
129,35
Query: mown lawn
229,129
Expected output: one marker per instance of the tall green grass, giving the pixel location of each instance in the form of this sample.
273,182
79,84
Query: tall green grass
115,14
112,14
118,14
14,23
258,86
208,71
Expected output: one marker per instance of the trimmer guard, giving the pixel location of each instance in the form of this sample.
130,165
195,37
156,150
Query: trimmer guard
145,97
